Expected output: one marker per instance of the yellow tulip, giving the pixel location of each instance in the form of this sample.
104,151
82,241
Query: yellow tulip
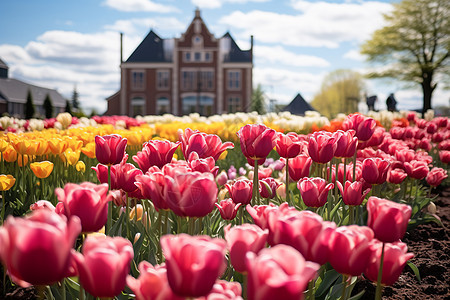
10,154
81,167
72,157
57,145
140,211
74,144
22,146
6,182
89,150
3,145
22,160
42,169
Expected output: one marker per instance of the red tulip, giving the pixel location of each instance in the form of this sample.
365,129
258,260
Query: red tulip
396,176
259,213
240,191
203,165
444,156
88,201
191,194
152,283
416,169
104,265
314,191
222,178
268,187
303,230
110,149
387,219
224,290
321,147
124,176
346,143
155,153
436,176
364,126
350,249
152,186
375,170
243,239
376,139
193,263
36,249
228,209
299,167
289,145
257,141
203,144
394,260
353,193
279,272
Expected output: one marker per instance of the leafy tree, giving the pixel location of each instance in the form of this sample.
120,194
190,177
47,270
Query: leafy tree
75,99
258,103
68,107
29,106
414,45
340,92
48,107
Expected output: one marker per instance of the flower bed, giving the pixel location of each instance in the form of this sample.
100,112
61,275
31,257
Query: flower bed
119,204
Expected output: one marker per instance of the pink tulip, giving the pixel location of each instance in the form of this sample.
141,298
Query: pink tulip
303,230
376,139
395,258
224,290
155,153
346,143
88,201
289,145
375,170
228,209
222,178
257,141
299,167
416,169
243,239
387,219
321,147
191,194
193,263
444,156
36,249
350,249
396,176
279,272
436,176
152,186
268,187
104,265
152,283
203,165
110,149
124,176
314,191
203,144
240,191
42,204
353,193
259,213
364,126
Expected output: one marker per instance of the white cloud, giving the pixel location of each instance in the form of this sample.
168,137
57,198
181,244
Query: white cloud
278,55
318,24
140,5
354,55
220,3
136,26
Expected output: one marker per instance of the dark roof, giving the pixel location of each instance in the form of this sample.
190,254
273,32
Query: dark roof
235,53
3,65
151,49
298,106
13,90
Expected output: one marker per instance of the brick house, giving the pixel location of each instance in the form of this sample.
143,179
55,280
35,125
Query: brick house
194,73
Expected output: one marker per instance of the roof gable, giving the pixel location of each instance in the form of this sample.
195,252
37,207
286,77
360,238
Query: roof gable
151,49
298,106
232,52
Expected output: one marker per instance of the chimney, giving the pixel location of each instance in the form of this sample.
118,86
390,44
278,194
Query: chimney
121,47
251,46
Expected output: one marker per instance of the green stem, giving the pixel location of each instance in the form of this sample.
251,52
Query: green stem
191,226
244,286
354,166
351,214
166,221
127,211
287,181
345,170
255,195
379,289
63,290
310,294
109,220
344,289
81,292
3,207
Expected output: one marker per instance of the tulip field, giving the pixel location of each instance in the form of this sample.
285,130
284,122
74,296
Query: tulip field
238,206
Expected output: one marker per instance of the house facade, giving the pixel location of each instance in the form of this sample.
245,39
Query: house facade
193,73
14,93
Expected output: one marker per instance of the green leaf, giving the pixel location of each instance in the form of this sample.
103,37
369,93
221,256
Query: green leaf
115,228
357,296
330,277
414,269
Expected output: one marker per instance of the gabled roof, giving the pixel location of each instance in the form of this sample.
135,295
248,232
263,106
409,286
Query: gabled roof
151,49
13,90
235,53
298,106
3,65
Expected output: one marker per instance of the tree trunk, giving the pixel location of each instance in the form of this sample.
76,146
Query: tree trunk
428,88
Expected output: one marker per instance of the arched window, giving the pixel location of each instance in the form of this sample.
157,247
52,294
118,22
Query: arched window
137,106
162,106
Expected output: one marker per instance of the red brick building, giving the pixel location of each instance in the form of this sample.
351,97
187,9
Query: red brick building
194,73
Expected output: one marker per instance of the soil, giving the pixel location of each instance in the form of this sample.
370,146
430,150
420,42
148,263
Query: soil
430,245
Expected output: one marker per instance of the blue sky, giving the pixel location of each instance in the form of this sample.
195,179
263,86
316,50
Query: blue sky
60,44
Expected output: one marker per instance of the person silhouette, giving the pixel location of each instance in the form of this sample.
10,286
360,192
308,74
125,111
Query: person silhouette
391,103
371,102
